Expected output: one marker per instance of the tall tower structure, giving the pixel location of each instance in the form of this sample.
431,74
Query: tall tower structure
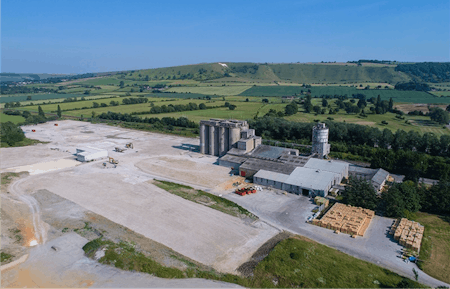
218,136
320,145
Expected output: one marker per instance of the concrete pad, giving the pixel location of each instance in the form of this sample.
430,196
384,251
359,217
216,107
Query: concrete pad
196,231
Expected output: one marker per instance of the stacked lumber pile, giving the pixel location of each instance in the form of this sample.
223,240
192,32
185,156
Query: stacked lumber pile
408,233
346,219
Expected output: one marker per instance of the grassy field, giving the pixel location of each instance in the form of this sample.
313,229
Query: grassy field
317,91
244,110
294,262
145,107
435,248
41,96
204,198
11,118
218,90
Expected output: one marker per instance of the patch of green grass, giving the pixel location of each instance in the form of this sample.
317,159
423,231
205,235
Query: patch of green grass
11,118
5,257
317,91
7,178
294,262
22,143
211,90
300,262
210,200
435,247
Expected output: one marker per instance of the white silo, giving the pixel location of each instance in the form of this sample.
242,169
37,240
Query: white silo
320,144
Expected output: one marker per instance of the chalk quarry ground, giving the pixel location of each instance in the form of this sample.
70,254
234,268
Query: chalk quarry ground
121,201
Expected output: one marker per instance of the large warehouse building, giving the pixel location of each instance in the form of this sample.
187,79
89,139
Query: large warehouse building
283,168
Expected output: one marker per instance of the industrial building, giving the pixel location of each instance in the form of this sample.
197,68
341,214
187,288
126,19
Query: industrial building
315,178
87,154
283,168
218,136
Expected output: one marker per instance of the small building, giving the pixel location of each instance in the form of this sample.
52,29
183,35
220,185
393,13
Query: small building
377,177
87,154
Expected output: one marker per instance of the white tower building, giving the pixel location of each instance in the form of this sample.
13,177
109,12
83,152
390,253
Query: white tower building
320,144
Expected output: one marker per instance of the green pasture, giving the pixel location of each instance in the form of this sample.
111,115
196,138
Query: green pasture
37,96
244,110
317,91
11,118
420,124
72,105
142,106
218,90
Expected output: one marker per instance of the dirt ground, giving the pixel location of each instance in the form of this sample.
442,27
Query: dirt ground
121,202
418,106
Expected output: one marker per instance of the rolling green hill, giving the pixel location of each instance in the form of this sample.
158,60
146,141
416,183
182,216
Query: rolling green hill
286,72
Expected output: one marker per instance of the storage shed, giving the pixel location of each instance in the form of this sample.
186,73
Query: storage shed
87,154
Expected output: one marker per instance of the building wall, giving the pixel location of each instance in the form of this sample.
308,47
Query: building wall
290,188
91,156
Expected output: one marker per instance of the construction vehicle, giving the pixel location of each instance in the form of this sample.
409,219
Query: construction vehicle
119,150
129,145
113,161
246,191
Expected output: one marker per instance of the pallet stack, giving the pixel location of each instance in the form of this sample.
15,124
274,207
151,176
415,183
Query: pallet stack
408,233
346,219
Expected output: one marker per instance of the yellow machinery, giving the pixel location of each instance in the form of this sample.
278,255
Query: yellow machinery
113,161
119,150
129,145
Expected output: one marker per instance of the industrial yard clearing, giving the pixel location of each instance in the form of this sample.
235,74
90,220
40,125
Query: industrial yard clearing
125,195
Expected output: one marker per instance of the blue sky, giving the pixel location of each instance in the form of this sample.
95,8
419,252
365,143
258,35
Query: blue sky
94,36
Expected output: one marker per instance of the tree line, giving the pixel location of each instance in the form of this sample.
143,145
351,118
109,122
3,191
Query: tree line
427,71
399,199
180,122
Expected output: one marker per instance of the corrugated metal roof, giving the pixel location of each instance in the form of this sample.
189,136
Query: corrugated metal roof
327,165
233,159
268,175
313,179
380,177
257,164
360,170
266,151
301,177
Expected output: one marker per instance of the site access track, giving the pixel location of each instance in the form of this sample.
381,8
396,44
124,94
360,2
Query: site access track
289,212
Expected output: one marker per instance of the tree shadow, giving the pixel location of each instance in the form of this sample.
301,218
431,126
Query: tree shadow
445,218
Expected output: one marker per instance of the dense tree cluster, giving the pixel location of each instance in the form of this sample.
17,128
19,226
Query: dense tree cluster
180,122
399,199
134,100
439,115
291,108
360,193
413,86
427,71
11,133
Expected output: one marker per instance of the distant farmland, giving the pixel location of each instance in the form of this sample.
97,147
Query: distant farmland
317,91
23,97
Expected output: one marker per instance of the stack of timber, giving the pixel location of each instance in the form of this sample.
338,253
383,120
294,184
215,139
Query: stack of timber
408,233
346,219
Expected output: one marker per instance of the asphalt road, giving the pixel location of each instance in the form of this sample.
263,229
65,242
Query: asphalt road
289,212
